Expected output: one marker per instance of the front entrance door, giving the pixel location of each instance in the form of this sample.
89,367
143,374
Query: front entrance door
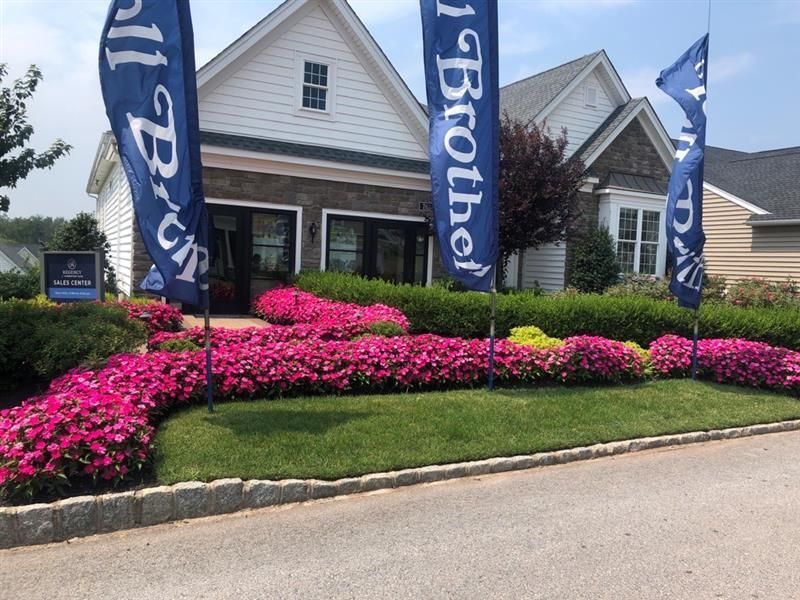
252,251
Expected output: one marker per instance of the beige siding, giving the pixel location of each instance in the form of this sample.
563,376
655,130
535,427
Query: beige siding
262,97
736,250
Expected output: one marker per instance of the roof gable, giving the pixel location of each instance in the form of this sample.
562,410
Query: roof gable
253,86
636,110
526,98
535,97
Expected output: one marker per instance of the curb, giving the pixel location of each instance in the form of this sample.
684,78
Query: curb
87,515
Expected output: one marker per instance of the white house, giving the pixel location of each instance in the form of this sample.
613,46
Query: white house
315,157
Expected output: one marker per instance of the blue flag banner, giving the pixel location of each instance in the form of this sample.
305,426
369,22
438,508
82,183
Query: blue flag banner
147,75
460,47
686,82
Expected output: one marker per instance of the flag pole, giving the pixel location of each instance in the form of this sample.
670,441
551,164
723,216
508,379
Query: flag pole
492,316
694,343
209,374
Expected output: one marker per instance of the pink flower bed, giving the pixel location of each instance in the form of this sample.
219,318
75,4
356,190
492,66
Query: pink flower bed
162,317
736,361
101,422
287,306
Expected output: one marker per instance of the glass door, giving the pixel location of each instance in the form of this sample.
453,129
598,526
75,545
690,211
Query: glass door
224,273
395,251
272,250
390,253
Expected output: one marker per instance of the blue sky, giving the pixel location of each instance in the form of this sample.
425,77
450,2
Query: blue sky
754,79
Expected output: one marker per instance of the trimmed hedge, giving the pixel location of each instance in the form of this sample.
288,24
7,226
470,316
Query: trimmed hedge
642,320
41,341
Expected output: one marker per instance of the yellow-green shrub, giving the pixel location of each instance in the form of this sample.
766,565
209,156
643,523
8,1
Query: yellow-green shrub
647,362
533,336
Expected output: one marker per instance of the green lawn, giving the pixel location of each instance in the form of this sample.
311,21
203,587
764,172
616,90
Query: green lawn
333,437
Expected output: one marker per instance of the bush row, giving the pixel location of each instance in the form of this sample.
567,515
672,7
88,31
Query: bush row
98,424
642,320
40,340
746,293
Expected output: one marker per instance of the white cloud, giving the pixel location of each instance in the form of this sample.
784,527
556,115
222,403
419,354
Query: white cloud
642,82
577,6
730,66
376,12
517,40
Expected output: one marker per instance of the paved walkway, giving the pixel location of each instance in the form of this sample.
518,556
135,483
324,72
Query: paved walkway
718,520
227,322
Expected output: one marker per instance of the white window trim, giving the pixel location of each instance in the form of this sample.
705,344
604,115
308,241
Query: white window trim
298,210
329,113
611,201
326,212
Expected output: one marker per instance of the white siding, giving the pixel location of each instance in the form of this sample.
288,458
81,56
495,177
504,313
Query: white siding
261,99
573,114
544,266
6,264
115,216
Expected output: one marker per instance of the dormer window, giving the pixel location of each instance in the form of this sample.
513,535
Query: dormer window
315,86
591,96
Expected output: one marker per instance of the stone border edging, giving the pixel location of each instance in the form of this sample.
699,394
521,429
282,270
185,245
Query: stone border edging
87,515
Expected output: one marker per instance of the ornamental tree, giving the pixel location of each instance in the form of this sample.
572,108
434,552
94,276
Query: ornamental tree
538,187
16,159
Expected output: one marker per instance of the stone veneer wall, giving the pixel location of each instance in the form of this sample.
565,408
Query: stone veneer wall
312,194
631,152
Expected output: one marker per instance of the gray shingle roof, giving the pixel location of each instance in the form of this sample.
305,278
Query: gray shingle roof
607,128
12,251
767,179
381,161
526,98
638,183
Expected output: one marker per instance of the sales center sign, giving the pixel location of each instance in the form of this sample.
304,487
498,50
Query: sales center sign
73,276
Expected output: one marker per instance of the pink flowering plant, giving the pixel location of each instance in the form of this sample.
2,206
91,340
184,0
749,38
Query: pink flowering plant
160,317
735,361
287,306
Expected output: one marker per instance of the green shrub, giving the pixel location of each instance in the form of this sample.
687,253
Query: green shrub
466,314
19,284
385,329
179,345
593,266
40,341
641,285
649,286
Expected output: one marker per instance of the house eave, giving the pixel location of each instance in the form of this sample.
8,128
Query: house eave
772,222
103,161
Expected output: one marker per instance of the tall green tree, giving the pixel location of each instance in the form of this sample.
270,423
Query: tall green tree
17,160
83,232
28,230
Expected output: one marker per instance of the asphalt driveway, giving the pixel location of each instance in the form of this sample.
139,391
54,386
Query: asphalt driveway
717,520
